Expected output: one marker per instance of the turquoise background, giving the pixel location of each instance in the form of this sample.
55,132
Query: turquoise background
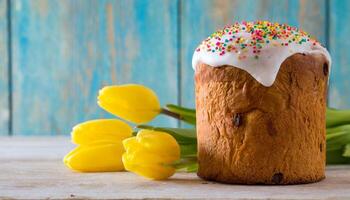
56,54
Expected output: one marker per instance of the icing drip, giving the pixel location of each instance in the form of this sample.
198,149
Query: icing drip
259,48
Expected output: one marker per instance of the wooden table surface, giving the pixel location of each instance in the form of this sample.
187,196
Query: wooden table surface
31,168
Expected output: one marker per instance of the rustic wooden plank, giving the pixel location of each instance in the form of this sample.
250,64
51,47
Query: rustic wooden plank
34,148
202,17
147,36
36,180
64,51
339,31
4,70
31,168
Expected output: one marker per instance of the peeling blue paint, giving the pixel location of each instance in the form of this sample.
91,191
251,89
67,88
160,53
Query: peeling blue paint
64,52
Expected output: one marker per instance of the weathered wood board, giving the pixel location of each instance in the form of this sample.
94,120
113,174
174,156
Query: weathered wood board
31,168
4,71
65,51
339,46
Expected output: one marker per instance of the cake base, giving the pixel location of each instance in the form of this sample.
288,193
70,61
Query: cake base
251,134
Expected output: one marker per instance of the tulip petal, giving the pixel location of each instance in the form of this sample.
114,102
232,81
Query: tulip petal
142,157
154,172
131,144
98,157
132,102
150,154
111,130
158,142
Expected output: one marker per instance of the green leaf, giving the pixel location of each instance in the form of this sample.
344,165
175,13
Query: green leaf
336,117
336,157
189,164
337,140
188,150
186,114
182,135
347,151
189,120
345,128
334,135
181,110
192,167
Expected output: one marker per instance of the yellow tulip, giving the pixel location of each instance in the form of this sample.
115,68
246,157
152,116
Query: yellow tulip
100,146
96,157
150,154
132,102
111,130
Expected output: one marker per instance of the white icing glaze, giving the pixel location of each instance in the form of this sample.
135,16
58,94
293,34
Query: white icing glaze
263,68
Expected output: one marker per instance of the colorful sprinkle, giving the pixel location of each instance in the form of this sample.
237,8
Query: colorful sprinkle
253,37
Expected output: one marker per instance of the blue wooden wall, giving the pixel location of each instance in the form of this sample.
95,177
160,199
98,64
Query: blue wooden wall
56,54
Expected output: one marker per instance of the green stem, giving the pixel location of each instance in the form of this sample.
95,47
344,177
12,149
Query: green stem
170,114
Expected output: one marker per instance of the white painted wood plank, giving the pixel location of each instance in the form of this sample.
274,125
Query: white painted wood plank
37,148
46,177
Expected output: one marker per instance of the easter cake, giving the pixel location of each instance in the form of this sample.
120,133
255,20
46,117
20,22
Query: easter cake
261,92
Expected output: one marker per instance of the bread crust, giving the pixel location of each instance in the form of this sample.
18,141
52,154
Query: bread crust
252,134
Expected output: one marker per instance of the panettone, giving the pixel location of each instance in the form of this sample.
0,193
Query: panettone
261,100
